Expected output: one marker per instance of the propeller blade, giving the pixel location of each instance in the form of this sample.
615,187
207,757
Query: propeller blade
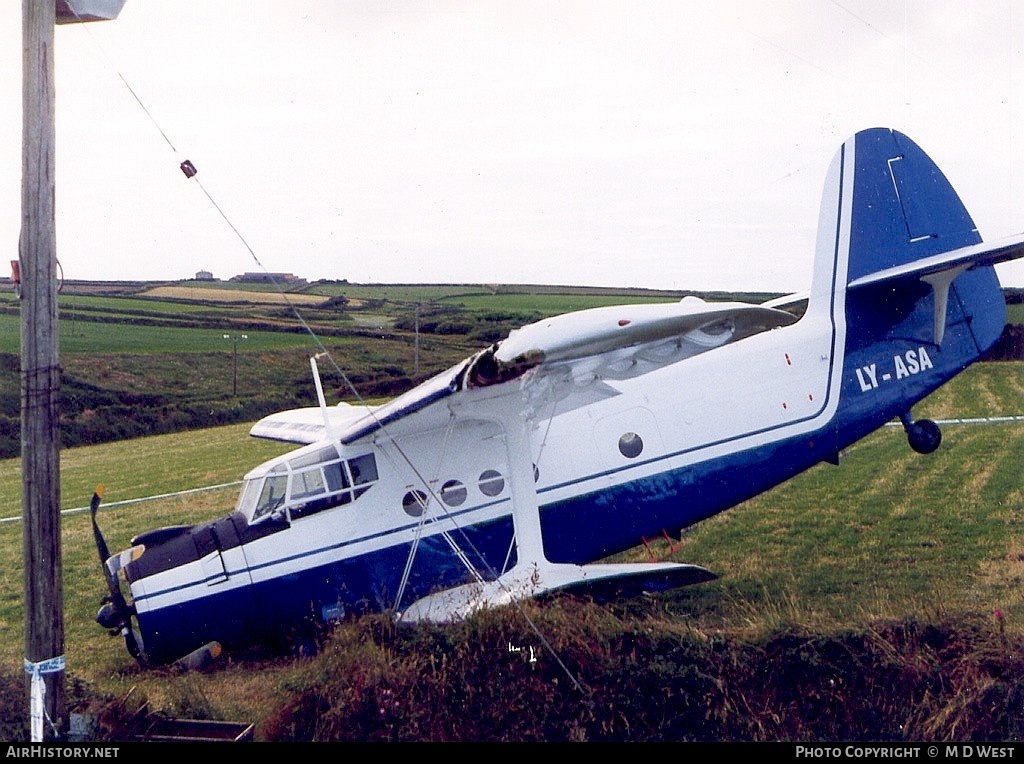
101,545
121,610
133,641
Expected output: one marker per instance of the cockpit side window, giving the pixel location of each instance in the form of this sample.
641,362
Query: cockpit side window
330,488
337,479
306,484
364,472
273,495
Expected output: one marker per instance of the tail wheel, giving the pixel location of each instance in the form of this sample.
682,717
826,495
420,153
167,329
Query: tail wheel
924,436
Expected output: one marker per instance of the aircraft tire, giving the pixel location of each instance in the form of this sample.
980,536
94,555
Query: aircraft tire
924,436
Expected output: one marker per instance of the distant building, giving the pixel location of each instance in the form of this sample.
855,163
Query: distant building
204,276
269,278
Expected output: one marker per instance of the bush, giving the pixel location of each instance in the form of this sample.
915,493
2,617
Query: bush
646,681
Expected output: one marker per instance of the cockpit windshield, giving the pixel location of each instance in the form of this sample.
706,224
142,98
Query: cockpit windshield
305,482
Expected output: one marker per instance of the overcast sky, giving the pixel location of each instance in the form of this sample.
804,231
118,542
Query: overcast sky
677,144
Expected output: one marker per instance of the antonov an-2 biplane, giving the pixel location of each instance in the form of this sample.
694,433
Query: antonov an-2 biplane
516,472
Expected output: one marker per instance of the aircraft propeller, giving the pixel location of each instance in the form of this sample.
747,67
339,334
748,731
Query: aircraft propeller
115,613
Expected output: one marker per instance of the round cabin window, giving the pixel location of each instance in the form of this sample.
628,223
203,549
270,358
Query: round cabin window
414,502
453,493
491,483
630,445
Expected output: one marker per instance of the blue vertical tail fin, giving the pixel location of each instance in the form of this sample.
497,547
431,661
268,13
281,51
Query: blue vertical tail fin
904,278
895,240
904,208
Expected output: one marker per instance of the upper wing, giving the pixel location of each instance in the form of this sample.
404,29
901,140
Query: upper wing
621,342
308,425
569,358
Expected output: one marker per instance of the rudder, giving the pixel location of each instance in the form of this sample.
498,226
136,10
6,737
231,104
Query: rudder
887,204
904,208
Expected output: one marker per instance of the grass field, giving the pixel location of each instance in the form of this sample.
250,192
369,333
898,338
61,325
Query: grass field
232,295
546,304
886,534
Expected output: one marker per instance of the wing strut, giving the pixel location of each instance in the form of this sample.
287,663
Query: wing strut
533,574
328,430
525,506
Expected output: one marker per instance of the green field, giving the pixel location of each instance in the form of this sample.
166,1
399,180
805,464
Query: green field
545,304
129,321
93,338
135,364
887,534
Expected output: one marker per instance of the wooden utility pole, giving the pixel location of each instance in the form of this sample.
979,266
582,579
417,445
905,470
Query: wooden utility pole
40,381
36,271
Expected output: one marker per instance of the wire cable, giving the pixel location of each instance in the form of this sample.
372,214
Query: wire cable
191,173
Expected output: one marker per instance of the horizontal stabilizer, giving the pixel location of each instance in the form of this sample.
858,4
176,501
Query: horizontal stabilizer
602,580
972,256
941,270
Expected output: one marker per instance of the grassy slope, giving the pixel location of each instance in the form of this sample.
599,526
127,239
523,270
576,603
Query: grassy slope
887,534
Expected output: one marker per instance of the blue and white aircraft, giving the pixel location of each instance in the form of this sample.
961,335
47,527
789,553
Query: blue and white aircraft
518,471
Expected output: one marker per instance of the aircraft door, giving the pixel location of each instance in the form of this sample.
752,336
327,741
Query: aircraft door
218,548
627,436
